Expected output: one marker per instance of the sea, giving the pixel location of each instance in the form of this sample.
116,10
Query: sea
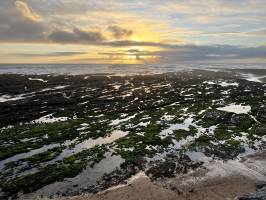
115,69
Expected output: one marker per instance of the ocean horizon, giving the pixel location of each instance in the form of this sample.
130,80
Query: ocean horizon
116,69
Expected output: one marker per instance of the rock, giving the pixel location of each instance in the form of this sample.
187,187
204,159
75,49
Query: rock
231,126
172,166
163,169
191,190
260,193
259,112
241,120
215,115
261,130
173,187
260,186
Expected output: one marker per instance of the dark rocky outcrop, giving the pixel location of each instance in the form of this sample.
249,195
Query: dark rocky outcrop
260,193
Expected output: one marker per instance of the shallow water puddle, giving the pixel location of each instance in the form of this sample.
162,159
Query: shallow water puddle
198,156
238,109
87,144
185,126
225,84
88,177
5,98
201,131
221,83
38,79
253,78
50,119
27,154
54,88
118,121
90,143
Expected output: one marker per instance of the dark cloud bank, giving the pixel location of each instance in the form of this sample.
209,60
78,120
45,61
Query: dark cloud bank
76,36
119,32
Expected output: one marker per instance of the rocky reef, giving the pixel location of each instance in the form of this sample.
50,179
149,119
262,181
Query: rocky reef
64,135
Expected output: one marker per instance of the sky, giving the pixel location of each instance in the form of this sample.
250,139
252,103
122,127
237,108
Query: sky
132,31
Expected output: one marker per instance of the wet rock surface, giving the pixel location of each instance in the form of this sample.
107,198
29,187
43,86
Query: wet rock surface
172,166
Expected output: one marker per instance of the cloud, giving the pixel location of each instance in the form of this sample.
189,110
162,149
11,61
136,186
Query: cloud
127,43
192,53
215,11
130,52
260,32
216,52
52,54
19,23
26,11
119,32
76,36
